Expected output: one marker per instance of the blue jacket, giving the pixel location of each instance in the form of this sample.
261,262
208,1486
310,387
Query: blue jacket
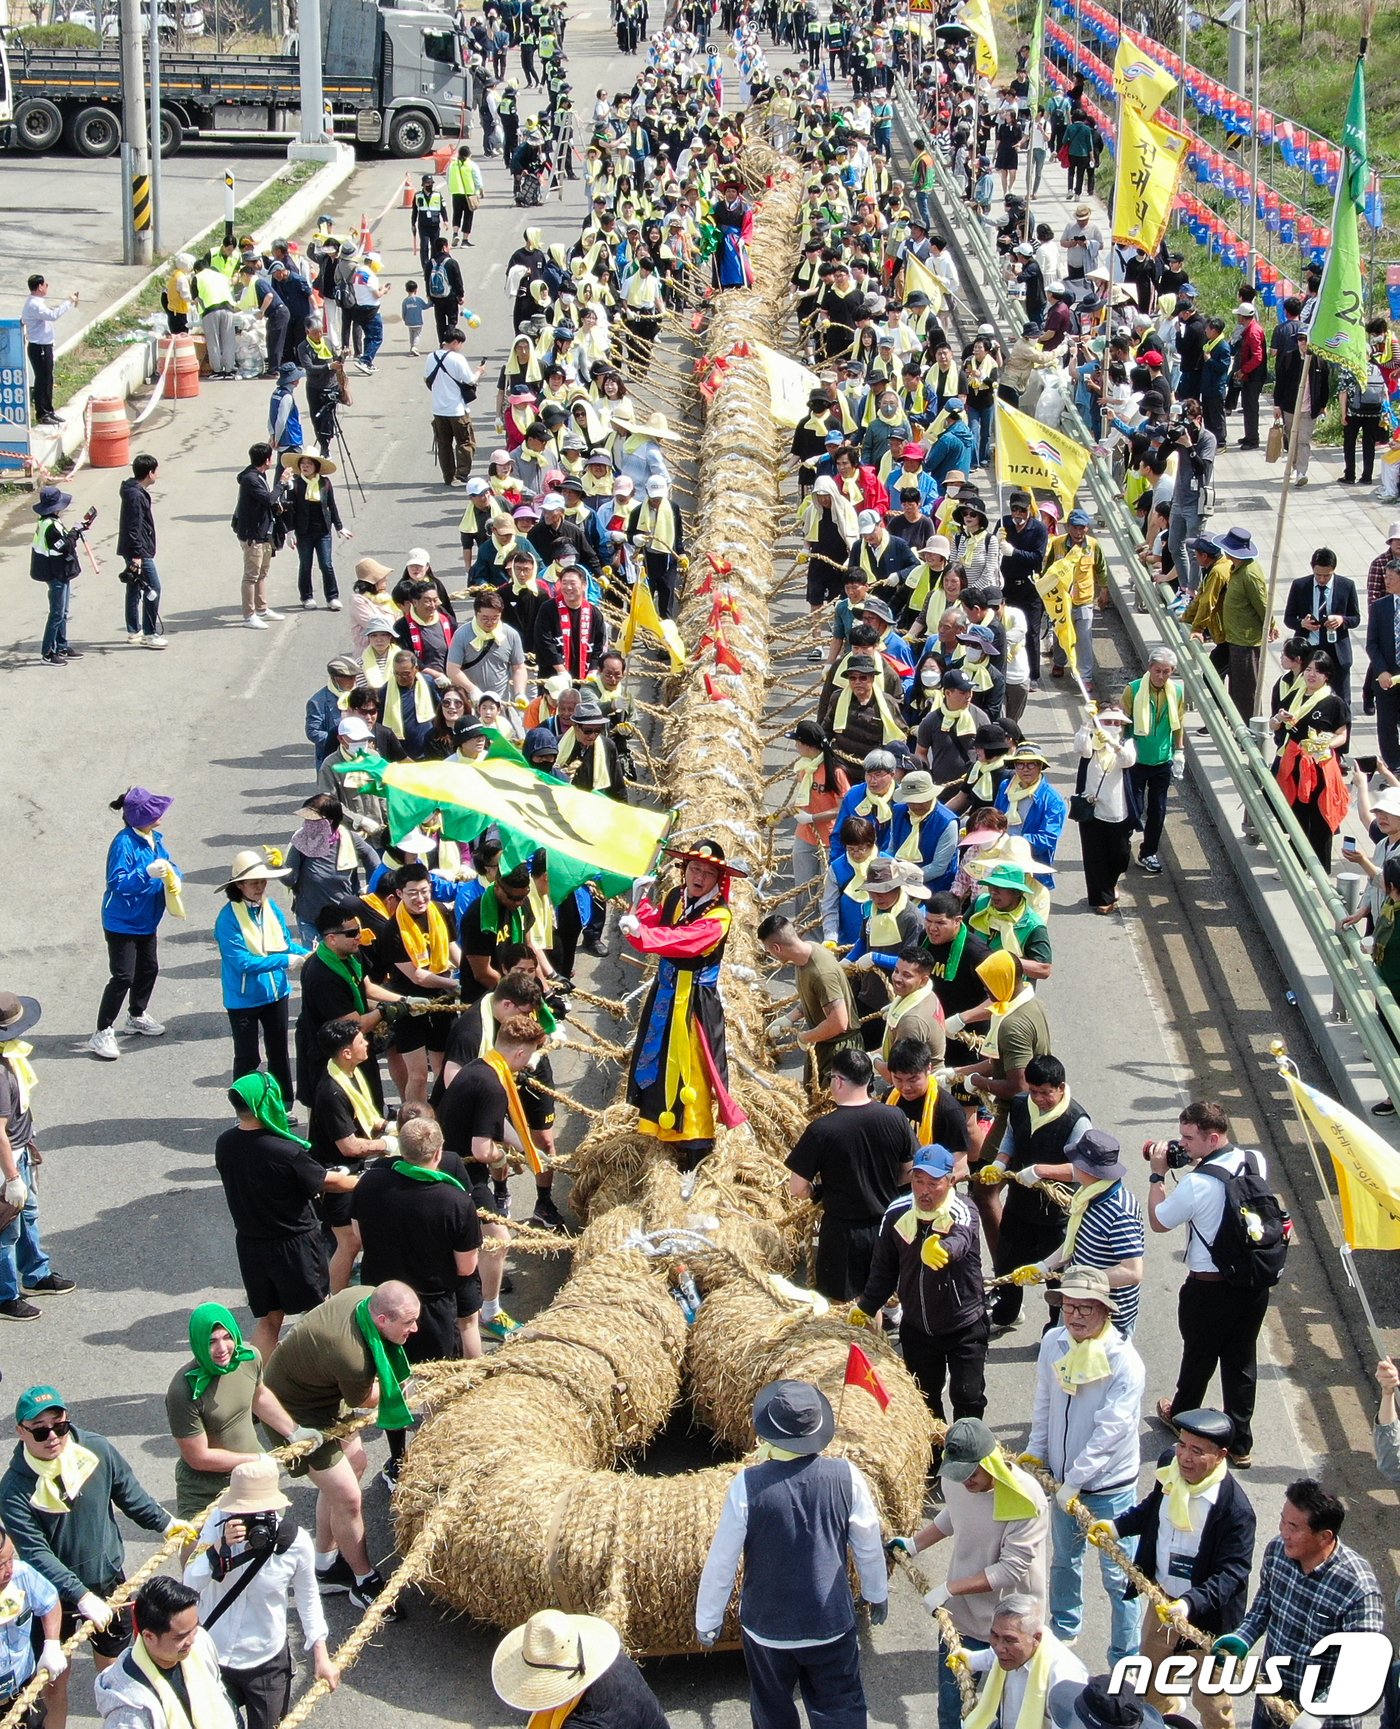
252,981
956,448
938,844
1043,824
134,903
847,807
323,717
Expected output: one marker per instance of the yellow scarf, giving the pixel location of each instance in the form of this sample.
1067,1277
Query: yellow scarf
1013,1497
1041,1119
1303,702
1179,1491
882,928
515,1107
1017,795
941,1219
896,1012
554,1719
430,951
991,923
1085,1362
13,1604
926,1115
345,855
981,779
313,489
960,722
909,848
1079,1204
659,521
61,1479
543,909
393,704
571,746
891,728
804,774
209,1706
999,975
17,1053
356,1089
263,936
1032,1713
376,670
1145,700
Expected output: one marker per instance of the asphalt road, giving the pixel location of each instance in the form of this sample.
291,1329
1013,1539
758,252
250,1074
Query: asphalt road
1149,1009
62,215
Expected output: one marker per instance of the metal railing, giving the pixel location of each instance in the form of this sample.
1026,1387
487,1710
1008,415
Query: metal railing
1357,988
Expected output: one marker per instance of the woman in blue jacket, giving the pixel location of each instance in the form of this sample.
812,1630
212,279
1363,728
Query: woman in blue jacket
258,955
139,872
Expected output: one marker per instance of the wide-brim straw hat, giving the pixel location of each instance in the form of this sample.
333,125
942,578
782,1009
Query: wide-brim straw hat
551,1658
249,866
324,465
643,425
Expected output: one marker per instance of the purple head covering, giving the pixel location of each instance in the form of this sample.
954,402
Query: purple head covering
143,809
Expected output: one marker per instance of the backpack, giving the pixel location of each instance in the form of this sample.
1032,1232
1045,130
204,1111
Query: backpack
1255,1229
439,288
343,291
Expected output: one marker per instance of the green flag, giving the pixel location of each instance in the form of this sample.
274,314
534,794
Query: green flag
1338,330
1037,60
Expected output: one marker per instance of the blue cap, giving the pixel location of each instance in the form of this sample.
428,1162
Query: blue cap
934,1161
1079,519
954,404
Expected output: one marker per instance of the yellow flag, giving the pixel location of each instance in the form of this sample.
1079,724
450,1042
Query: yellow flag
643,615
918,275
1367,1170
1149,165
977,15
1029,453
789,384
1054,584
1139,80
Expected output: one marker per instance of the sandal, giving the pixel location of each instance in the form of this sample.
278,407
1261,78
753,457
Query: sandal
1163,1409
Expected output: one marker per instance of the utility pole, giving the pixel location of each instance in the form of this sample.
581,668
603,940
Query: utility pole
136,192
154,141
309,53
1237,76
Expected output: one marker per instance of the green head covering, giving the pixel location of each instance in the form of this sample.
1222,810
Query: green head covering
202,1324
263,1097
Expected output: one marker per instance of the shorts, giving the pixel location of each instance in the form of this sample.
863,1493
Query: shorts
288,1275
108,1641
334,1209
484,1199
421,1032
469,1296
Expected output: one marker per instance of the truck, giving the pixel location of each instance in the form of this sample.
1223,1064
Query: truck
393,80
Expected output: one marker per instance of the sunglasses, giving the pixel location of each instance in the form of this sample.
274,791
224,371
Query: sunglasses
42,1431
354,934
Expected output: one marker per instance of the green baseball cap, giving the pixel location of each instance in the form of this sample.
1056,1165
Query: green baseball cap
33,1400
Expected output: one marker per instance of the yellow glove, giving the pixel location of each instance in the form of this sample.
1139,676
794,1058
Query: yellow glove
831,943
1030,1461
957,1661
520,705
182,1529
1100,1529
1173,1611
992,1173
1028,1275
933,1254
857,1316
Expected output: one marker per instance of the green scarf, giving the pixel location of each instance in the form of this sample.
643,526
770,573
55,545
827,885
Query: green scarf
202,1324
491,916
391,1367
263,1097
421,1174
352,971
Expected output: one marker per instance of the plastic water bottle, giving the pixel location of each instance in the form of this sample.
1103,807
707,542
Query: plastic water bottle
686,1293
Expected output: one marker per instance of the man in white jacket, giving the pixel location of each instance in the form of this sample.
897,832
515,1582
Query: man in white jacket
1084,1430
169,1678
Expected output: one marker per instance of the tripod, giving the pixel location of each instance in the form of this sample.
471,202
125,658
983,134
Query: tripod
338,437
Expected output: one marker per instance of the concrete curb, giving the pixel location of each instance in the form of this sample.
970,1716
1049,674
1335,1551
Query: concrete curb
138,366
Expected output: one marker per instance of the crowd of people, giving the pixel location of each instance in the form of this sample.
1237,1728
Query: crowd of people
408,997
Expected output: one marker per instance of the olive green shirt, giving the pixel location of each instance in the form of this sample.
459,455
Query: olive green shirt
1025,1033
323,1366
223,1415
821,981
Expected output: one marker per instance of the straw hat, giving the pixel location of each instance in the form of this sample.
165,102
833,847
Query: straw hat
324,465
642,426
552,1658
371,570
253,1488
249,866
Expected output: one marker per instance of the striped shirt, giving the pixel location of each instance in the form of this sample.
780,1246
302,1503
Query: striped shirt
1111,1232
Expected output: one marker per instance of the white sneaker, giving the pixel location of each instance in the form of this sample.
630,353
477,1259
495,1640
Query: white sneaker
103,1043
154,641
255,621
333,606
135,638
267,613
145,1024
308,605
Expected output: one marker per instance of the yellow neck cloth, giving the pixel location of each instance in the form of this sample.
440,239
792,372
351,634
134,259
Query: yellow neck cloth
1178,1492
61,1479
1085,1362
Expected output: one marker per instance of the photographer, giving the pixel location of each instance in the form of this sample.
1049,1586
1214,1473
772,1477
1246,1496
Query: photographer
1195,464
1219,1317
53,560
136,543
256,1554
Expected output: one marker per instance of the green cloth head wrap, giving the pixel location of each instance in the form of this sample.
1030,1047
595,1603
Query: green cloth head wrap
262,1096
202,1324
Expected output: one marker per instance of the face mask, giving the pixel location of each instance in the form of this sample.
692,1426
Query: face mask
929,677
973,656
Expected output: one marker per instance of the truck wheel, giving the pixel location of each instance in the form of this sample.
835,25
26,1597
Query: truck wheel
39,123
411,134
172,132
95,131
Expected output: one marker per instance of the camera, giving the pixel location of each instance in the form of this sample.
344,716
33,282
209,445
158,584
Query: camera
1180,428
1177,1156
134,578
260,1531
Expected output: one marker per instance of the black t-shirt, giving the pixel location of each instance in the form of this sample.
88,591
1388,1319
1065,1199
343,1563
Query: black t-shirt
269,1182
332,1119
475,1104
325,997
476,941
389,950
412,1230
858,1152
964,990
949,1120
463,1043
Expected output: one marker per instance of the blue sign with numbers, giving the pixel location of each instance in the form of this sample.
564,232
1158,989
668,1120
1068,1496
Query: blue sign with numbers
14,401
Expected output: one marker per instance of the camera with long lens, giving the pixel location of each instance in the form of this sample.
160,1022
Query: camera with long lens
1177,1156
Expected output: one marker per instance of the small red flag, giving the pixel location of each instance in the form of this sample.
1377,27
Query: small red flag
725,658
860,1372
714,692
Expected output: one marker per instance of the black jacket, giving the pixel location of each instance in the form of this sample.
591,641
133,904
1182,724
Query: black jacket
255,515
1218,1597
1301,596
302,515
452,271
136,526
1380,636
1023,556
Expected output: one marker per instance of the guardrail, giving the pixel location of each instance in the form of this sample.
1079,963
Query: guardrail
1357,987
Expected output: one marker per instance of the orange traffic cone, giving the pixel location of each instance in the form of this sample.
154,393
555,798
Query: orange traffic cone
366,237
407,201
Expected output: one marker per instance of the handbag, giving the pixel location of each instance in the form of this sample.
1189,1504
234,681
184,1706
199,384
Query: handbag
1273,449
473,200
1082,805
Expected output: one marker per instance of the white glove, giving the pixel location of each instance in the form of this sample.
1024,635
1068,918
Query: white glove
707,1635
558,1037
51,1658
1026,1177
945,1077
157,868
1179,765
295,963
865,964
953,1025
92,1608
1066,1495
302,1433
936,1598
16,1192
629,924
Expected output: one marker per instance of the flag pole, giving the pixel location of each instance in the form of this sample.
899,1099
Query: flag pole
1286,1066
